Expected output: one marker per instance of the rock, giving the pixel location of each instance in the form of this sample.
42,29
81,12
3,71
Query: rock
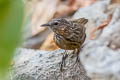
96,14
101,57
45,65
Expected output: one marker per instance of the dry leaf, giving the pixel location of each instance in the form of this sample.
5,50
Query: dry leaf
101,27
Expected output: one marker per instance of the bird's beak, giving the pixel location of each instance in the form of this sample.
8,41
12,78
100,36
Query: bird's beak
45,25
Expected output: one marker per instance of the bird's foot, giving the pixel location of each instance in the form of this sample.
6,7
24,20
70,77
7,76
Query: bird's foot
65,55
77,60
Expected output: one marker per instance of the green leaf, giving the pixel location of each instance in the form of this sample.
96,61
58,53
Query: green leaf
11,15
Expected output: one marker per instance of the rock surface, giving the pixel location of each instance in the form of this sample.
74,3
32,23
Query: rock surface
96,14
101,57
45,65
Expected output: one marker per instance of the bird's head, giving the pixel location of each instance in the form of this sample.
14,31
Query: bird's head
58,26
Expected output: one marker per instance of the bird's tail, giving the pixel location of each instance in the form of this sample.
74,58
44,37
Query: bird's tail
82,21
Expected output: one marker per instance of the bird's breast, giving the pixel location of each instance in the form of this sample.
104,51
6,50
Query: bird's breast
65,43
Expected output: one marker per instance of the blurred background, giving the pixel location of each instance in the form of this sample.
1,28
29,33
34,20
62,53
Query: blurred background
41,11
24,17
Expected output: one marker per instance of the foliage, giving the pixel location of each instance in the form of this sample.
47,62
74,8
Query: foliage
11,14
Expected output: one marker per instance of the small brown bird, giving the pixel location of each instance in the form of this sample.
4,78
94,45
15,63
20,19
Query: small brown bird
68,35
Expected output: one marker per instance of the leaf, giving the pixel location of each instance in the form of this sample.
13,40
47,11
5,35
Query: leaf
11,14
101,27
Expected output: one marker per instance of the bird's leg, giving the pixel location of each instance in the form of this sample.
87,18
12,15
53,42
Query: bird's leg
77,60
77,54
65,55
72,54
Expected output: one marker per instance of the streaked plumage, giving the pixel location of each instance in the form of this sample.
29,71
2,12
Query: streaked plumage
68,35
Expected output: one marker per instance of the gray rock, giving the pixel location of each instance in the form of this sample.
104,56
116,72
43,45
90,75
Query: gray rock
101,57
45,65
96,14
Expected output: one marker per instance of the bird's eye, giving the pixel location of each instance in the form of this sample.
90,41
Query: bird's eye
56,23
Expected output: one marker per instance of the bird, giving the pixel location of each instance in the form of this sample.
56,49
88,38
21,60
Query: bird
68,34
